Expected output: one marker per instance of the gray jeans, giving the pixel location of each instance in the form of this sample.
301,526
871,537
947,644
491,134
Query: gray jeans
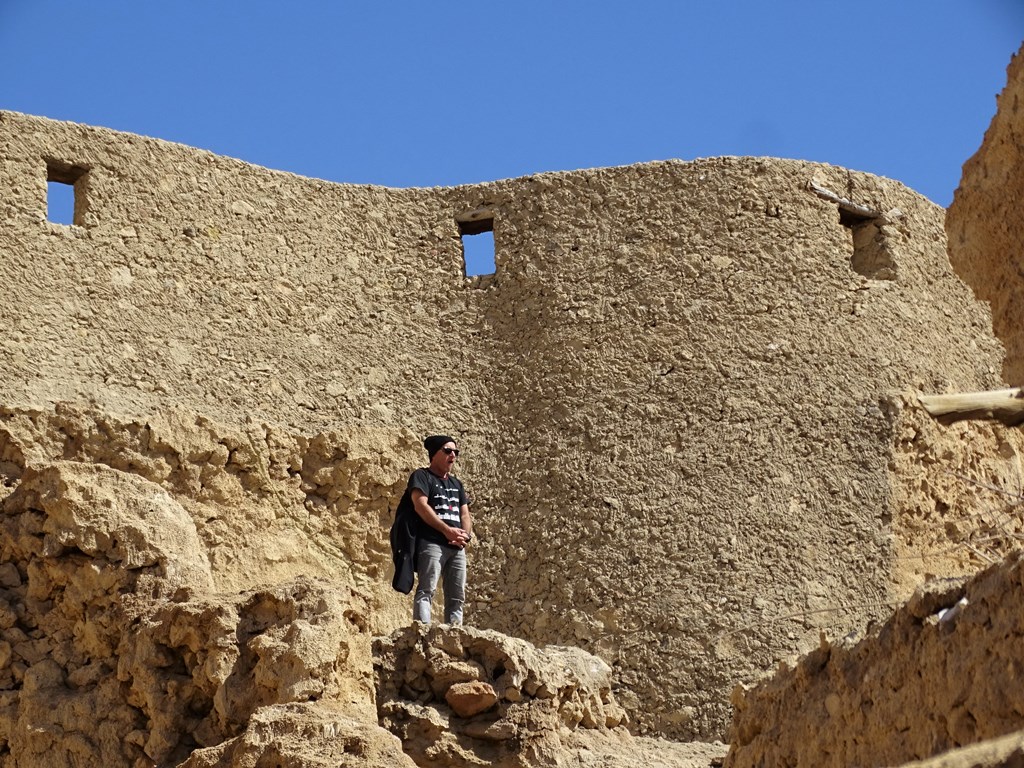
432,562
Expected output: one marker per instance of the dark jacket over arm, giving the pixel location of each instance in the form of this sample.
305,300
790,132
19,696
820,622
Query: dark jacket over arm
403,544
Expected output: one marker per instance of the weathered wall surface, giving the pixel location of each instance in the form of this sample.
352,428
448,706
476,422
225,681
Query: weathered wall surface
699,397
679,397
943,672
201,280
985,226
957,489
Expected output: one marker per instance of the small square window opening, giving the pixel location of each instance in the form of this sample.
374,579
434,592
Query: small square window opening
476,230
478,250
60,202
871,254
65,193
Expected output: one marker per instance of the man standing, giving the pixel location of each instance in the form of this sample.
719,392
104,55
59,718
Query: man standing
445,528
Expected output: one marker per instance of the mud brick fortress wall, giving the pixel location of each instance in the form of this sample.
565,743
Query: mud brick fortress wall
682,397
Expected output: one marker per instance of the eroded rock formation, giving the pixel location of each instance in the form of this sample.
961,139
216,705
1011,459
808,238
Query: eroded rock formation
120,645
264,503
511,701
984,224
299,735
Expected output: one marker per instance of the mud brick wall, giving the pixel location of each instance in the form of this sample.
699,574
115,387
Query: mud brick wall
678,396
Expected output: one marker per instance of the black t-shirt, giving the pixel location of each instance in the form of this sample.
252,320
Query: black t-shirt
445,495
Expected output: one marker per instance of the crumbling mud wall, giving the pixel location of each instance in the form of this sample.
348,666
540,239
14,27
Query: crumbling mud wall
936,684
942,672
1001,752
679,396
460,696
263,505
125,636
958,492
701,385
984,224
116,648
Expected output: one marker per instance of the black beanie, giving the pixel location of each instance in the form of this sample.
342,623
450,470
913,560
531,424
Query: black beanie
434,443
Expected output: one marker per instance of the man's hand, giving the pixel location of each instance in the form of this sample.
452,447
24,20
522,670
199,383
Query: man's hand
457,537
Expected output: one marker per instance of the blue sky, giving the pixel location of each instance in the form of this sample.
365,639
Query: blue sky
427,94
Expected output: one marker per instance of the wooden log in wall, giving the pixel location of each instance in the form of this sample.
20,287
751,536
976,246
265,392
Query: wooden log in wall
1005,405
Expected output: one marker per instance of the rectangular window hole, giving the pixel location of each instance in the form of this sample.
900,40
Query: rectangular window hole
476,230
871,255
65,203
60,202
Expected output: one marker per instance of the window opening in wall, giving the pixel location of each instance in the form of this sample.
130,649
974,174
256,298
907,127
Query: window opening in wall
478,251
871,255
60,202
64,193
476,230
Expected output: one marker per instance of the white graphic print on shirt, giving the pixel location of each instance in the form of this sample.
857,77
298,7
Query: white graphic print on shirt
445,501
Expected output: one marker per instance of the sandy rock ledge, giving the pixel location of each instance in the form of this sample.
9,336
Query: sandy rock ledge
548,706
539,695
531,706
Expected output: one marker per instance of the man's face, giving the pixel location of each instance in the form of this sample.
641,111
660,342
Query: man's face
444,459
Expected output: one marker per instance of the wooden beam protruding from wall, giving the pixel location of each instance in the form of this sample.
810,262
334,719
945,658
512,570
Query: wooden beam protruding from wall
1005,405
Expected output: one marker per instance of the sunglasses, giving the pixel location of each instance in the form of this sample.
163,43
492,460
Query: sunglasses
450,451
